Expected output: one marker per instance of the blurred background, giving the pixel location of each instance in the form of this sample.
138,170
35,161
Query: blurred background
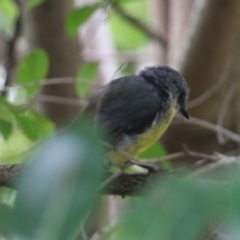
55,53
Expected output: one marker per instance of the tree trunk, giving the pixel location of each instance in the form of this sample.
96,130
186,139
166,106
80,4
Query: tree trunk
46,29
203,65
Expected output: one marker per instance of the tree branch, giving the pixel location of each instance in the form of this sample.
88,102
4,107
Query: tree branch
140,25
125,184
9,173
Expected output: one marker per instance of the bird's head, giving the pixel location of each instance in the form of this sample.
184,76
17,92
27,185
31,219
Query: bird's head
171,82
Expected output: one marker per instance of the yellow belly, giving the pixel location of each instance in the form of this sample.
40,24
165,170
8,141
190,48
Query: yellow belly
145,140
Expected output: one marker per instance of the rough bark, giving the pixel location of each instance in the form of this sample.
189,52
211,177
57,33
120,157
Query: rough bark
46,29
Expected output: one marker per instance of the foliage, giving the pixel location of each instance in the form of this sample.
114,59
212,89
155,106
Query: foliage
33,69
8,15
60,188
16,115
127,36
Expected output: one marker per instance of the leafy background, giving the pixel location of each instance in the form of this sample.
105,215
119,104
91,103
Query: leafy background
58,195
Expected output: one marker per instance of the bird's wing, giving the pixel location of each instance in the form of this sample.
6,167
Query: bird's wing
126,106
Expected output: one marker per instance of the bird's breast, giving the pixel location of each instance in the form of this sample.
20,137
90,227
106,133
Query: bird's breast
137,144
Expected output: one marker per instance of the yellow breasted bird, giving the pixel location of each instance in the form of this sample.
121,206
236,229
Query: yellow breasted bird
136,110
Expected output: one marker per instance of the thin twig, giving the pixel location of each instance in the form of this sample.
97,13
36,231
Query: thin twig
163,159
84,234
224,109
92,55
198,154
121,67
127,155
222,162
140,25
212,90
60,100
51,81
213,127
109,180
59,80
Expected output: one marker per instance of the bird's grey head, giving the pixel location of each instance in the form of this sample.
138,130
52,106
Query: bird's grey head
171,82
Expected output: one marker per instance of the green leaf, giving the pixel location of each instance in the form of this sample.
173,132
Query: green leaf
34,125
87,72
6,113
59,187
13,151
175,209
6,120
79,16
155,151
6,128
33,68
27,123
33,3
45,125
9,13
126,35
6,219
129,39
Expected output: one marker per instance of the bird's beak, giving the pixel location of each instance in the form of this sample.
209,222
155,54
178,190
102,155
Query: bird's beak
184,113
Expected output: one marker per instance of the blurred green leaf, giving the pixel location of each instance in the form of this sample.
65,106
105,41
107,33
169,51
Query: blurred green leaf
45,125
34,125
26,124
79,16
6,128
9,13
129,39
6,219
175,209
33,68
5,112
57,191
155,151
6,120
87,72
33,3
15,148
127,36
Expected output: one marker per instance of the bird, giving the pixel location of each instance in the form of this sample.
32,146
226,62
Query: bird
136,110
